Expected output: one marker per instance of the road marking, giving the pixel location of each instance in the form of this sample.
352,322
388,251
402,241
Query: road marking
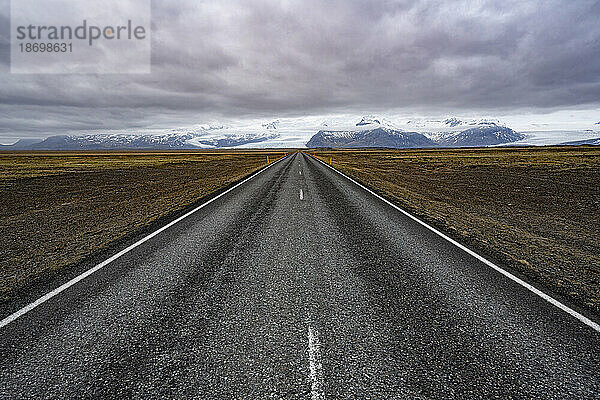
301,195
104,263
507,274
315,365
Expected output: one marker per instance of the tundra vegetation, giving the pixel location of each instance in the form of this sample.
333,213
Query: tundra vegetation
534,210
57,208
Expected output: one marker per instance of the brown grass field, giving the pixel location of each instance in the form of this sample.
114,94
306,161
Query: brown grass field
58,208
535,210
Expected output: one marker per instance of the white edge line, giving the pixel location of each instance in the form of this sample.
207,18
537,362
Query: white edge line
507,274
92,270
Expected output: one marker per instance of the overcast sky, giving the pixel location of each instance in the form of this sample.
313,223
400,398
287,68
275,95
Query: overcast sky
273,59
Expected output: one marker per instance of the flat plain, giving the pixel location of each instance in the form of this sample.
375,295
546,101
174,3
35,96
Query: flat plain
57,208
535,210
269,293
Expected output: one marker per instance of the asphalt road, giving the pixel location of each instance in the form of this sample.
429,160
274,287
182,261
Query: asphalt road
298,284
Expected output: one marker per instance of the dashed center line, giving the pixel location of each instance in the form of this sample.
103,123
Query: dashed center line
315,365
301,195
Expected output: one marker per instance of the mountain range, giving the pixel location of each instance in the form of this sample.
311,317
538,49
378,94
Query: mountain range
200,137
346,131
371,131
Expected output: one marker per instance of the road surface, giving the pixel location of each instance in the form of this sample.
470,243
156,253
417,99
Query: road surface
298,284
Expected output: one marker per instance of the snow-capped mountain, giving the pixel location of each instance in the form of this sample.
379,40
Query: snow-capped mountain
367,120
452,122
372,131
481,133
455,132
271,125
481,136
374,121
449,124
369,131
375,137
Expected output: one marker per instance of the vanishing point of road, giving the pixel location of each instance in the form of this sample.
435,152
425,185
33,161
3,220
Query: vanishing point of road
297,283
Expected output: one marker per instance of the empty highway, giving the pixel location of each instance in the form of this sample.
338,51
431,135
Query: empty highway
298,283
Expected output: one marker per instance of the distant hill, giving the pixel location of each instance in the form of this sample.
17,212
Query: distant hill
21,144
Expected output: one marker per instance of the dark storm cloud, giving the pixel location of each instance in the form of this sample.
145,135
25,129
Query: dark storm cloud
241,58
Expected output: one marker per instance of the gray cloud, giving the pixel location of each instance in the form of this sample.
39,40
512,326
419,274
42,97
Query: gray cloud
260,58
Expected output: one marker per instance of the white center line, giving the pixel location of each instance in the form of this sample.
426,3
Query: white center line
301,195
316,367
